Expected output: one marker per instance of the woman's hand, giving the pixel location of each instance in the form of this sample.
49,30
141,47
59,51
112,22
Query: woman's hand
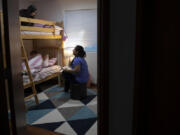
66,69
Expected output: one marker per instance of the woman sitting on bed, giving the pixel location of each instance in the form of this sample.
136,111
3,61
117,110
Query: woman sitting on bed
78,71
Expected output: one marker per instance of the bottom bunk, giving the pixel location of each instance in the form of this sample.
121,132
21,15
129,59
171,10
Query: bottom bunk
41,66
43,75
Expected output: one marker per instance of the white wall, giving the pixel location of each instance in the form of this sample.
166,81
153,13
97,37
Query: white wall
54,10
91,59
24,4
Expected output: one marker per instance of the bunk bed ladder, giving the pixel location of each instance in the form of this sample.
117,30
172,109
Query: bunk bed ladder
25,59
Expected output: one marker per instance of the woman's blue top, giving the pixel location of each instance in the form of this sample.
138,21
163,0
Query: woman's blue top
83,75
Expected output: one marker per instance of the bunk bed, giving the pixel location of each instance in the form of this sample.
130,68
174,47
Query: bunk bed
41,29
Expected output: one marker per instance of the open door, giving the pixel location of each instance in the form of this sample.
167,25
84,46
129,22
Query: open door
3,97
11,80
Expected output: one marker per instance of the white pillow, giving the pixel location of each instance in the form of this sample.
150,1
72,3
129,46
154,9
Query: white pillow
52,61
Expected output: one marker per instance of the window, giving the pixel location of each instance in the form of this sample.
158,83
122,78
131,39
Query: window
81,29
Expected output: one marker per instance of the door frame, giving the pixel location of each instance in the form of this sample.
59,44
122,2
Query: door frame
13,61
103,66
3,97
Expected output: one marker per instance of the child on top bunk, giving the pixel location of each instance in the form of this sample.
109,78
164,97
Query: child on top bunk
30,12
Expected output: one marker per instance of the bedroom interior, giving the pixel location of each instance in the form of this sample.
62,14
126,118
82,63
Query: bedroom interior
47,105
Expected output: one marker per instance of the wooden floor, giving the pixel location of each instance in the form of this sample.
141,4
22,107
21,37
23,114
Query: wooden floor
31,130
93,87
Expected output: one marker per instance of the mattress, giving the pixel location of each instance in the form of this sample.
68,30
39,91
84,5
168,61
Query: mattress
57,32
44,72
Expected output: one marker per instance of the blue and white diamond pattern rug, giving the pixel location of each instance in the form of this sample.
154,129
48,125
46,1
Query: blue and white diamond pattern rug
57,112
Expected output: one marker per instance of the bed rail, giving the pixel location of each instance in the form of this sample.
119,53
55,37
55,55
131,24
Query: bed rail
39,29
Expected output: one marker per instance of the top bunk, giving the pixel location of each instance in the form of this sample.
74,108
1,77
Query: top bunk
41,29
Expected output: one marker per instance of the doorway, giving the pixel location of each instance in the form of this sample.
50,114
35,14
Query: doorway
14,81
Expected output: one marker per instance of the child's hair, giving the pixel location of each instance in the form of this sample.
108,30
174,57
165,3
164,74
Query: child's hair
33,52
80,50
31,8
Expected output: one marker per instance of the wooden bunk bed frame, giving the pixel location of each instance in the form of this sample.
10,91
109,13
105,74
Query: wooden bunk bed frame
39,29
30,36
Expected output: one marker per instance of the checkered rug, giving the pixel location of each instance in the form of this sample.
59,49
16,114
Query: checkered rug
58,113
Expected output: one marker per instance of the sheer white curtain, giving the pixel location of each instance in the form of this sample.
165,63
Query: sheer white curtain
81,29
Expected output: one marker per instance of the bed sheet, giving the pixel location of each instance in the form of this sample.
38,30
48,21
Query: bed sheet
57,32
44,72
